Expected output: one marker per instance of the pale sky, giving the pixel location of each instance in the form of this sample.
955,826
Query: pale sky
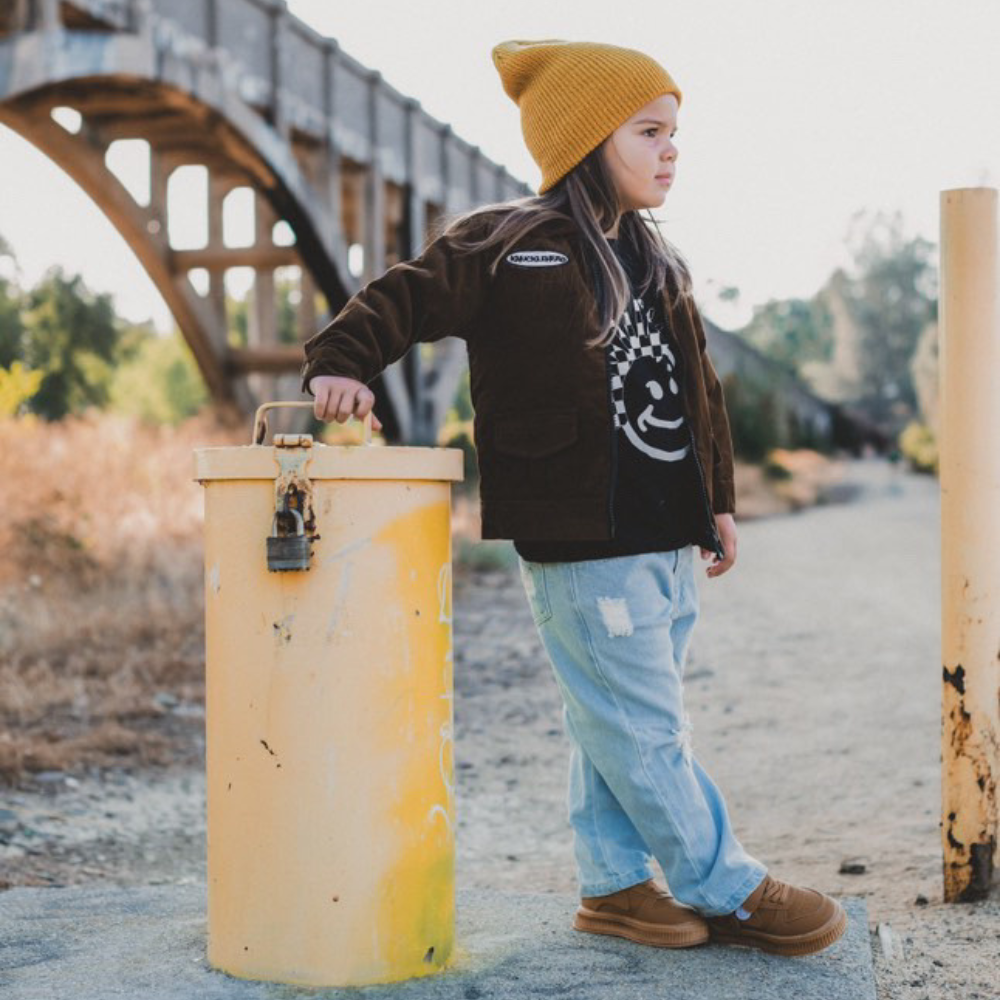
796,114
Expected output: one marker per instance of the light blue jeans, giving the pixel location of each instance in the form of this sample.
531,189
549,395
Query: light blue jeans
616,632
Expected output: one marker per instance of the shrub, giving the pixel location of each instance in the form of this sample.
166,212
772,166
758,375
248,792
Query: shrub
919,445
752,417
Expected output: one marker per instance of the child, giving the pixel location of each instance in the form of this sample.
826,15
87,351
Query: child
604,454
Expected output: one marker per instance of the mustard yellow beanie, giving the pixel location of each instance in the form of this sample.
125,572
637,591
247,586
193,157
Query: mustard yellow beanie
573,95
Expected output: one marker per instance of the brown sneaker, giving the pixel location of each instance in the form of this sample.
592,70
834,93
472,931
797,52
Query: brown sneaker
783,919
644,913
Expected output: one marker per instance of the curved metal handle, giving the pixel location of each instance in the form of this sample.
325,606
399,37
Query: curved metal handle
260,420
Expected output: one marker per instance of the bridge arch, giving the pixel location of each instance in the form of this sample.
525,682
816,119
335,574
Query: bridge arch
262,101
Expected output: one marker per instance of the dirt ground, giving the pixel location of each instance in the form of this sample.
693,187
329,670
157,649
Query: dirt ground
814,688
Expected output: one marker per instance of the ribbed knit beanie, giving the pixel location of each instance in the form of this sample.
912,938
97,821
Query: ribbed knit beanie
573,95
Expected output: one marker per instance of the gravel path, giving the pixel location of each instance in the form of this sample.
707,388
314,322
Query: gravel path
814,687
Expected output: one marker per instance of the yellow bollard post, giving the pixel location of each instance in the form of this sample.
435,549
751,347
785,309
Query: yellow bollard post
969,468
329,712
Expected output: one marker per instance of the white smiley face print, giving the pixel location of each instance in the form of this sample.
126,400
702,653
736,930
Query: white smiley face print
645,387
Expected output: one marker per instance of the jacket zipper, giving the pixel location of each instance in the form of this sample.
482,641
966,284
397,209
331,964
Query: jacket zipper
614,445
611,405
720,549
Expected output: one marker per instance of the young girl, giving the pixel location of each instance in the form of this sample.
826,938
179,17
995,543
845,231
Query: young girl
605,455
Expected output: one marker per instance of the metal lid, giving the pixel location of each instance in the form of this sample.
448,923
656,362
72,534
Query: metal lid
322,461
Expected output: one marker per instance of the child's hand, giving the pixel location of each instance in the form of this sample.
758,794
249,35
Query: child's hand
339,397
726,525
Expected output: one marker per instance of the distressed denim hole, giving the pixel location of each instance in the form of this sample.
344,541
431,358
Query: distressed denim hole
614,613
684,737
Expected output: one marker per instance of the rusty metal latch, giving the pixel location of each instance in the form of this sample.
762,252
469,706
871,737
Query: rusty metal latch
293,526
290,547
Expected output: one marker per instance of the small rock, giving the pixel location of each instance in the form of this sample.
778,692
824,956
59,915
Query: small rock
852,866
699,673
888,941
921,899
9,822
50,781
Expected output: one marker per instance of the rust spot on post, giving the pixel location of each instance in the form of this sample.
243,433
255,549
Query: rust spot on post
980,870
956,679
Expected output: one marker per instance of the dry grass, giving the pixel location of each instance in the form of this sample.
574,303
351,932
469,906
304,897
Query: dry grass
812,478
101,605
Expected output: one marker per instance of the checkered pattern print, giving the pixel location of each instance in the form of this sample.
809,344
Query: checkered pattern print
637,336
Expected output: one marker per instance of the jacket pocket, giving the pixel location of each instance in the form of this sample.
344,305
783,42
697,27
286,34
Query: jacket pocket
534,454
535,433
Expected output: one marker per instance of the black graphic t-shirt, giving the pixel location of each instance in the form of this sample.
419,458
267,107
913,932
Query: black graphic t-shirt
657,503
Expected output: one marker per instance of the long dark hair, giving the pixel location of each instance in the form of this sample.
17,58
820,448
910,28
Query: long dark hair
587,196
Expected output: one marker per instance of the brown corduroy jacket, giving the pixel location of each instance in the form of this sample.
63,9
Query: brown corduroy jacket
543,429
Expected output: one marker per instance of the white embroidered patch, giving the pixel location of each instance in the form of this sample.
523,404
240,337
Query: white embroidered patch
614,612
537,258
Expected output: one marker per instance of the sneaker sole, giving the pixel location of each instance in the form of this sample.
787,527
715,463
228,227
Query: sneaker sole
799,944
641,932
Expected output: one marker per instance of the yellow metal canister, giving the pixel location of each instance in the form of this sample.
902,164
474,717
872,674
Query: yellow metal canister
329,712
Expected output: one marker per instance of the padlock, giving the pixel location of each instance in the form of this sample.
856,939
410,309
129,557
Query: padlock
288,552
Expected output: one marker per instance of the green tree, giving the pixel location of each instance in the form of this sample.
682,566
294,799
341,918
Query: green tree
17,385
11,327
286,292
237,321
73,337
161,382
892,297
238,314
791,331
461,407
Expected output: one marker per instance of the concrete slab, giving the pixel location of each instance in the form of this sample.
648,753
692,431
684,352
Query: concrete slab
148,942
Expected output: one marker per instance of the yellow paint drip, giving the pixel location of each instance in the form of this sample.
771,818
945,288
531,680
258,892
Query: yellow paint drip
419,890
